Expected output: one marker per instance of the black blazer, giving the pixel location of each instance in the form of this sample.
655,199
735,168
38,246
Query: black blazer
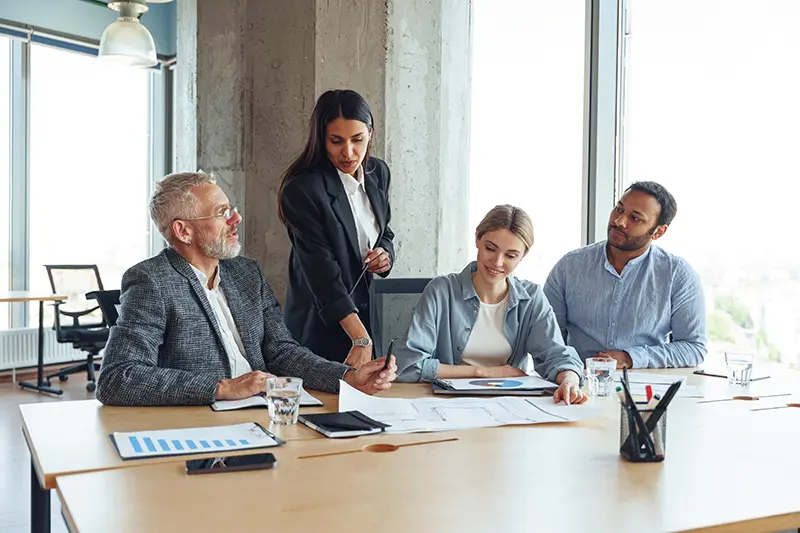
325,261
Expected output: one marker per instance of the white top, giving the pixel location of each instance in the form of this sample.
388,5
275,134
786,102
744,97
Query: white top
366,224
487,344
230,335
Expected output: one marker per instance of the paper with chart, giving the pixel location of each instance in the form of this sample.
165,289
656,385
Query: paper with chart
443,414
142,444
660,383
523,382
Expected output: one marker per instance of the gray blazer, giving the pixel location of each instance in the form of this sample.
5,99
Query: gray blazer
167,349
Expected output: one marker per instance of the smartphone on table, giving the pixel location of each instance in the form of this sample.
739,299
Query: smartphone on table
234,463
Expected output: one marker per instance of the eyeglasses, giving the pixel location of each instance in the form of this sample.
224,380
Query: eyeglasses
227,214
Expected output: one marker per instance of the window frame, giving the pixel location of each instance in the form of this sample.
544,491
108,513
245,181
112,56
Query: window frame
159,154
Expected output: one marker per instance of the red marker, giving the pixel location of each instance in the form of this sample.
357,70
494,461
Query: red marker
649,390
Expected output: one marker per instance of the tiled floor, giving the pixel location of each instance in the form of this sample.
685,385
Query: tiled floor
15,460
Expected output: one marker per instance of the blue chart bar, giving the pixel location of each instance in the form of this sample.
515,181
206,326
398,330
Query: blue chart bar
243,441
230,442
149,444
164,445
191,444
135,443
177,444
218,444
204,444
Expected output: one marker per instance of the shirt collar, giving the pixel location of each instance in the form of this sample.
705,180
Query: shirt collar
204,279
516,291
350,183
631,264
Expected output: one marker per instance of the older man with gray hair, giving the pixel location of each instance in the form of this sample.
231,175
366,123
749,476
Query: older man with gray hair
198,323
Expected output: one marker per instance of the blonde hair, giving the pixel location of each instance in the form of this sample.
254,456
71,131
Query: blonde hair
173,199
508,217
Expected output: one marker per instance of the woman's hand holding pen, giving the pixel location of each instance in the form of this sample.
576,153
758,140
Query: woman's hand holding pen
569,390
379,261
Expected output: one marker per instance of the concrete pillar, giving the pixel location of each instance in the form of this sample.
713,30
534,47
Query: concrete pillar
249,73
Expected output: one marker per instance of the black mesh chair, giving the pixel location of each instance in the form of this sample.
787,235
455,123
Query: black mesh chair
392,304
77,321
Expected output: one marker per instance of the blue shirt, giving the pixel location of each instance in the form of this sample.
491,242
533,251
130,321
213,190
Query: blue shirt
447,311
656,294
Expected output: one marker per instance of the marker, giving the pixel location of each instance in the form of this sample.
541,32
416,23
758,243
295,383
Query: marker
620,395
649,390
389,354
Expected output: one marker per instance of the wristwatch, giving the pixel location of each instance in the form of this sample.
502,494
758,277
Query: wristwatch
362,341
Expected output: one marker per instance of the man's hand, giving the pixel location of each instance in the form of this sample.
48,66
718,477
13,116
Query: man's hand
358,356
370,379
244,386
623,358
505,371
379,261
569,390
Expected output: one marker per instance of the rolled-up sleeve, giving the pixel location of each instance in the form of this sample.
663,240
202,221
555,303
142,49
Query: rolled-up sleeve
416,359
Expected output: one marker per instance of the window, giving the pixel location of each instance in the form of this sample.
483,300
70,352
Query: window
5,174
89,166
711,112
527,121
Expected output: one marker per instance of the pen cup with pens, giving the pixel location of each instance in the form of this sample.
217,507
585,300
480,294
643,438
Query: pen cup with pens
643,426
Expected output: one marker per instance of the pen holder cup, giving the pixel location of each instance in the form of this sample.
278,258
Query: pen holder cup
638,446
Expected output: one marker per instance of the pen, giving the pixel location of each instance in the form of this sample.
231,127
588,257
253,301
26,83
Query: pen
389,354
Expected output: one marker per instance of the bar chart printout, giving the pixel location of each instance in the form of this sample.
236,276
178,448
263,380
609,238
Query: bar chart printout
158,443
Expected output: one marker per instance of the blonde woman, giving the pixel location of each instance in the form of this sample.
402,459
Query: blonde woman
483,322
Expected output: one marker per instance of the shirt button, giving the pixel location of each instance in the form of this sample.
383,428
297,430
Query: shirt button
469,329
613,323
616,301
458,348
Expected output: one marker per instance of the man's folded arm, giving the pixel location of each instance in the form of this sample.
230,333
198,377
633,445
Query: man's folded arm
130,373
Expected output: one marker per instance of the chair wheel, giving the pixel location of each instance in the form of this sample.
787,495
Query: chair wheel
63,378
91,386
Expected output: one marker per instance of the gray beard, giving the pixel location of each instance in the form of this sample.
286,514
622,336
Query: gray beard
219,248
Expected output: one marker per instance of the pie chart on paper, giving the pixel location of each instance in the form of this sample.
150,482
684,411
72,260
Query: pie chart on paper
496,383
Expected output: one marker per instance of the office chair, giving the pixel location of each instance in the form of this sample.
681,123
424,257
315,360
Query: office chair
108,302
392,304
88,332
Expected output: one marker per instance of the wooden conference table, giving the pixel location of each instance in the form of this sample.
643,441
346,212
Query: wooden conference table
727,469
41,385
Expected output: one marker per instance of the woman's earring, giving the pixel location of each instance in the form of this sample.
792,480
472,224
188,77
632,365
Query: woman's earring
188,242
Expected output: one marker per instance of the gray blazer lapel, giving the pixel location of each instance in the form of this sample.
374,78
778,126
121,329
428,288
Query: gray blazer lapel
184,268
241,314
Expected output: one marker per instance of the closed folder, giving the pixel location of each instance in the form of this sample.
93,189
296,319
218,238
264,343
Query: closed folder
346,424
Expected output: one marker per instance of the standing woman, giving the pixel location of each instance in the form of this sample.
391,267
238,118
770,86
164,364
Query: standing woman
334,201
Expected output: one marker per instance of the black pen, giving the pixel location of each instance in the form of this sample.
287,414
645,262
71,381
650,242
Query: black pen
389,354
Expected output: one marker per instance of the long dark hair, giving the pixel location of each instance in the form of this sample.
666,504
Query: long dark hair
331,105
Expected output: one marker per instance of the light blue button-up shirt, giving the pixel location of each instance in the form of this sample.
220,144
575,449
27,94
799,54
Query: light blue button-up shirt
656,294
447,312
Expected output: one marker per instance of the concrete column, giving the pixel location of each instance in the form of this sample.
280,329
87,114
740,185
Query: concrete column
249,73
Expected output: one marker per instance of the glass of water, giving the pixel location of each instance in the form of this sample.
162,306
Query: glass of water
600,373
740,367
283,399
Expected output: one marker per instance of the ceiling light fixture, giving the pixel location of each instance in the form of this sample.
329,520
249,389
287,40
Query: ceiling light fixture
126,41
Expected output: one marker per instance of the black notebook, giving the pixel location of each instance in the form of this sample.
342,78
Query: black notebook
346,424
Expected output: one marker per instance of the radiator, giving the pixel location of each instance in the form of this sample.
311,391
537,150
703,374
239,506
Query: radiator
19,349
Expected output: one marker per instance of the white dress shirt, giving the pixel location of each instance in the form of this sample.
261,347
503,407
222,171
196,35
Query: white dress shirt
230,335
366,224
487,344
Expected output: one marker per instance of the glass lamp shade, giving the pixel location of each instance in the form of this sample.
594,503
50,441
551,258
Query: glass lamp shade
127,42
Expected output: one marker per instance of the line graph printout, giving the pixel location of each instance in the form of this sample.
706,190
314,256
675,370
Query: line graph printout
445,414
